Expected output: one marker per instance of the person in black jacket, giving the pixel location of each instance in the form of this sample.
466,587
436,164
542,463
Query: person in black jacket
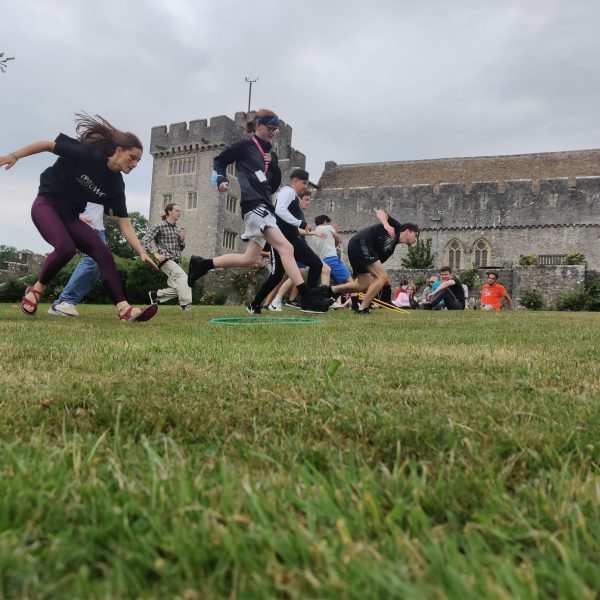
259,176
292,222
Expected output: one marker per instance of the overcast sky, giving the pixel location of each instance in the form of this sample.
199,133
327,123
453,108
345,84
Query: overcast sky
358,81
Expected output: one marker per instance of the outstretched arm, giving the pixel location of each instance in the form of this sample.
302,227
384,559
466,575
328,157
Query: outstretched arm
383,217
12,157
129,234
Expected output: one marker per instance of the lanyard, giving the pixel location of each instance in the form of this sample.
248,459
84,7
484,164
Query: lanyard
262,152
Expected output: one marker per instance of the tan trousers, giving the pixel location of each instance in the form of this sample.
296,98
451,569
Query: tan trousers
176,284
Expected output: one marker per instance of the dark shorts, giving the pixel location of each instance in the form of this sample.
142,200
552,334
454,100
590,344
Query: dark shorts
361,255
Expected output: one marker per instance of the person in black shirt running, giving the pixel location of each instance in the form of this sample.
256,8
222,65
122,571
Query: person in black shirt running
88,170
259,176
368,250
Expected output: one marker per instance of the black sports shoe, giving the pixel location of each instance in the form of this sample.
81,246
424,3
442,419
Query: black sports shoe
355,303
314,308
364,311
196,270
325,291
314,302
252,309
153,297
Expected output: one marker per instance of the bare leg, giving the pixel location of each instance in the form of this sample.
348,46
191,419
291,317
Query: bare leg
248,259
277,240
38,287
379,279
292,290
360,284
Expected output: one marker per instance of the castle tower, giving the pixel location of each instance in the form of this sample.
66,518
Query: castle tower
183,163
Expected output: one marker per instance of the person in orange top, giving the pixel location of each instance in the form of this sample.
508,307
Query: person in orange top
492,293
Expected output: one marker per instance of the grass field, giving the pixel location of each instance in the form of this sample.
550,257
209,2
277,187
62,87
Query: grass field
435,455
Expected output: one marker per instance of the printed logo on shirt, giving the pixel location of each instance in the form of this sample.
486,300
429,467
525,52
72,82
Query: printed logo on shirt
389,242
88,184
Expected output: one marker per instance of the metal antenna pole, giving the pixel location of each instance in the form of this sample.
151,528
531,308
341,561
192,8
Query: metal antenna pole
250,81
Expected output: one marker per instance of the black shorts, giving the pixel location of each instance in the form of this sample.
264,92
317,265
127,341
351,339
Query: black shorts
361,255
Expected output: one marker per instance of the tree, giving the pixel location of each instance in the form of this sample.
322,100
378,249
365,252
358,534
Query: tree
419,256
3,61
9,254
117,244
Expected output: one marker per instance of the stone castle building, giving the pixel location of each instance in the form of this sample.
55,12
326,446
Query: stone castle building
183,163
482,211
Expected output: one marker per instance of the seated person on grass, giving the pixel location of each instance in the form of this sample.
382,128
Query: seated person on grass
450,292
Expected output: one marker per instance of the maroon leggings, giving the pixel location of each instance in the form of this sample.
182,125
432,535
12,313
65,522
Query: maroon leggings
67,235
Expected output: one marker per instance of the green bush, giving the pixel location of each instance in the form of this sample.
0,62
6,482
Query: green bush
470,277
137,279
216,297
247,281
141,278
420,255
593,295
526,260
12,290
575,258
574,301
532,300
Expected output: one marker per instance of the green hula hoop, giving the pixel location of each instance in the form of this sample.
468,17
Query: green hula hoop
253,321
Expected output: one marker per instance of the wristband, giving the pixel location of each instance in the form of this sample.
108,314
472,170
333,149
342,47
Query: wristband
14,156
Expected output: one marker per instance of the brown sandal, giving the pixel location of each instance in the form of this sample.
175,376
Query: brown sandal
25,301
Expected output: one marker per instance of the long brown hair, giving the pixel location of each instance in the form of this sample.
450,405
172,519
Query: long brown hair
99,132
168,208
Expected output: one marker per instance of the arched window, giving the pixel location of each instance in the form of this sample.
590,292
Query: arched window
482,254
454,253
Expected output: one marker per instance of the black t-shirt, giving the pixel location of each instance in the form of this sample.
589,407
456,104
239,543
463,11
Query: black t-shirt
458,290
81,175
378,239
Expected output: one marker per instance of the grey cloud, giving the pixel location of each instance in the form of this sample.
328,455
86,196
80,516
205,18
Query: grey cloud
358,82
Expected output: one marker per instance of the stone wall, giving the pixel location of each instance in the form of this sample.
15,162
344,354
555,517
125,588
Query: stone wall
222,280
550,281
554,216
29,263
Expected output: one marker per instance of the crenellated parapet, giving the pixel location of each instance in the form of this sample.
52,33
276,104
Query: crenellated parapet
206,135
480,204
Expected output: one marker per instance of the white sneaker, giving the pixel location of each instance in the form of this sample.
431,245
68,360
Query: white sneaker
65,309
275,307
